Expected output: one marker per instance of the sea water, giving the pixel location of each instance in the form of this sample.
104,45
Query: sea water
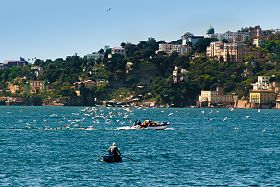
61,146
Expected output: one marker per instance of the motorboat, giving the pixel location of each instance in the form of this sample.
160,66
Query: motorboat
146,125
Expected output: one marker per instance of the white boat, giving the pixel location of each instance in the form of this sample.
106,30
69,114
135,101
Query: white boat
154,126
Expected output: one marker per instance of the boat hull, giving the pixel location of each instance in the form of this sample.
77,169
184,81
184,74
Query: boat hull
111,158
161,126
157,127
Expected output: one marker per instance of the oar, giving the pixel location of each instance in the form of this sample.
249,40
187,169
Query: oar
128,158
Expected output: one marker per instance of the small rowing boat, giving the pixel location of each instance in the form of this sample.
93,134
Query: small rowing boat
111,158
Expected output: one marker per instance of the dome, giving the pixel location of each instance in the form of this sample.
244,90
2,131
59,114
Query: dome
211,30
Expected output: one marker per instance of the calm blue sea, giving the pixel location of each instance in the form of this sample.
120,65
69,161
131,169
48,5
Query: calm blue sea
60,146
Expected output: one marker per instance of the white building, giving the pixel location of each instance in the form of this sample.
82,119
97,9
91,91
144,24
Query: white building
218,36
95,56
262,84
192,39
167,48
118,50
170,48
257,42
180,74
37,70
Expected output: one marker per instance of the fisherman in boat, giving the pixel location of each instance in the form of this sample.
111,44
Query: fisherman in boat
113,150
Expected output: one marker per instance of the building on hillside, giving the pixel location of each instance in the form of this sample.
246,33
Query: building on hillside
18,85
215,50
183,49
95,56
216,98
235,37
210,33
258,42
90,84
230,52
13,88
117,51
262,98
255,32
37,86
13,63
191,39
227,36
240,37
165,47
180,75
38,71
170,48
262,84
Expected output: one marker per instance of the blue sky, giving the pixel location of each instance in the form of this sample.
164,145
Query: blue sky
50,29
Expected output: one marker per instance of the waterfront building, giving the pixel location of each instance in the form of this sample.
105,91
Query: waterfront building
216,98
262,98
14,101
277,101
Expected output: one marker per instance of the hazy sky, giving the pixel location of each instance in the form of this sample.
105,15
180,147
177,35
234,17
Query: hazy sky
58,28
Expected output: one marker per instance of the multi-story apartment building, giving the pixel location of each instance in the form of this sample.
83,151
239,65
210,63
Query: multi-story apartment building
215,49
169,48
262,98
264,93
240,37
235,37
231,52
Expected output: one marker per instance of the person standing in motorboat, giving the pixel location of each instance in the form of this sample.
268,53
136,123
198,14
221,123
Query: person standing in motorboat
113,150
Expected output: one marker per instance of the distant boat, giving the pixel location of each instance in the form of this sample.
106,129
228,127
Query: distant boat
111,158
152,126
